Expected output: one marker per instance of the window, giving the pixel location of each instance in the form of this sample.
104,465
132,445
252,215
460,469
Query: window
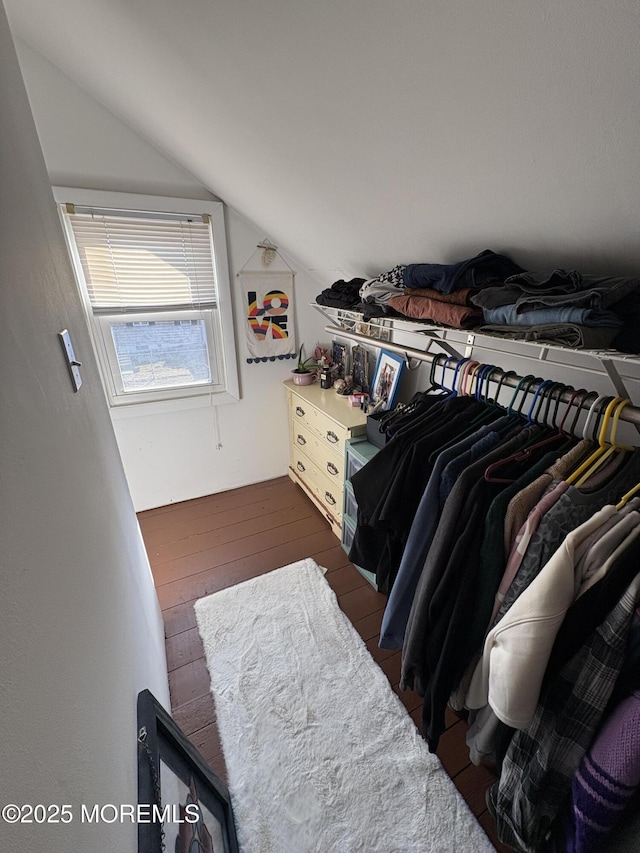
154,279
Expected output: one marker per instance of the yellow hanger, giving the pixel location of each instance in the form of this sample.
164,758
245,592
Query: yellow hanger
618,405
628,496
602,445
610,450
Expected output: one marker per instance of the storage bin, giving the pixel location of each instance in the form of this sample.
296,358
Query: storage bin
374,436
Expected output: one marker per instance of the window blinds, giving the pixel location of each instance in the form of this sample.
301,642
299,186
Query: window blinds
141,262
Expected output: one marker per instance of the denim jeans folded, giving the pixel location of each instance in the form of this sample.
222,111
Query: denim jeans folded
508,315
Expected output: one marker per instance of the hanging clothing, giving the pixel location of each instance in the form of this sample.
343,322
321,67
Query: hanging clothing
588,611
517,649
541,760
525,500
396,614
454,548
570,510
461,634
605,782
389,488
487,736
510,591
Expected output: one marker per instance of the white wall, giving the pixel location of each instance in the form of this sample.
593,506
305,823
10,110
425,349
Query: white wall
368,133
172,456
359,134
81,631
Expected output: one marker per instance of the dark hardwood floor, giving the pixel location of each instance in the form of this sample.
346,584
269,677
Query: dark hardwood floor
200,546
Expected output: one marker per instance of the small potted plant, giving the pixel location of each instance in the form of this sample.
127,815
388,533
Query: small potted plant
305,372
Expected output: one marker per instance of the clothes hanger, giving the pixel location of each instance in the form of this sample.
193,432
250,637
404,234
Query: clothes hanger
613,448
484,376
591,415
463,377
560,388
538,399
396,419
486,414
589,464
600,413
425,418
527,451
530,379
433,384
581,392
495,401
459,366
445,364
471,376
627,497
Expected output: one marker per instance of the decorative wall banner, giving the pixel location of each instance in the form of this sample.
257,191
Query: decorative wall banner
268,306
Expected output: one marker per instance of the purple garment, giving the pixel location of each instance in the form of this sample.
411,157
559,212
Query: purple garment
607,778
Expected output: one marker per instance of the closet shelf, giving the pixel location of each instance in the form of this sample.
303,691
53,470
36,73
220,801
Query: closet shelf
383,333
348,319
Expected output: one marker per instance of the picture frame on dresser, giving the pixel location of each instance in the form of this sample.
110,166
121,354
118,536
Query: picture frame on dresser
386,379
360,369
340,357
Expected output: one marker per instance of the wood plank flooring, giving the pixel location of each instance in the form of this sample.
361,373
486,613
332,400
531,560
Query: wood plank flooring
200,546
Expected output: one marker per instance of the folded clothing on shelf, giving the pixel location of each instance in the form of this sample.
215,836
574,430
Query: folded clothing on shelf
561,334
445,313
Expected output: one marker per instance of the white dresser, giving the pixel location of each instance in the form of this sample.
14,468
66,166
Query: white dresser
320,422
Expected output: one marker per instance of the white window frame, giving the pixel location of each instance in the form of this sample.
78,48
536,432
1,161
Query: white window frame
219,321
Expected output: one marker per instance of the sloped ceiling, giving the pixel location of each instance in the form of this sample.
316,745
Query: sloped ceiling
366,133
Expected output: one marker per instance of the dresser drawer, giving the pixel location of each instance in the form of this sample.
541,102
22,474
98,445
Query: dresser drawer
320,424
328,492
332,434
327,458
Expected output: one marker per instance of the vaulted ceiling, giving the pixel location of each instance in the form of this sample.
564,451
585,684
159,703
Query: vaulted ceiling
366,133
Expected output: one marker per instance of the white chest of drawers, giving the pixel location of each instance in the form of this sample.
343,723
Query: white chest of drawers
320,422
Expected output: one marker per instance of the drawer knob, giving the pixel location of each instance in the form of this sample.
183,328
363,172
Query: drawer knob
299,411
332,437
301,439
331,468
300,466
330,498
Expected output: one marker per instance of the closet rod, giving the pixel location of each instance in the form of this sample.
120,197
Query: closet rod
629,413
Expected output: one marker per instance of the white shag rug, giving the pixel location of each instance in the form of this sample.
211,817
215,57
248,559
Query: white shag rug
322,756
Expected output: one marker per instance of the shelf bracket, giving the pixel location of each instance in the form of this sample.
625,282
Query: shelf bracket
471,339
445,345
616,380
328,316
614,376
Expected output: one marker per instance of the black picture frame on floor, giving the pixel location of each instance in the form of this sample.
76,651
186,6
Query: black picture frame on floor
181,801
